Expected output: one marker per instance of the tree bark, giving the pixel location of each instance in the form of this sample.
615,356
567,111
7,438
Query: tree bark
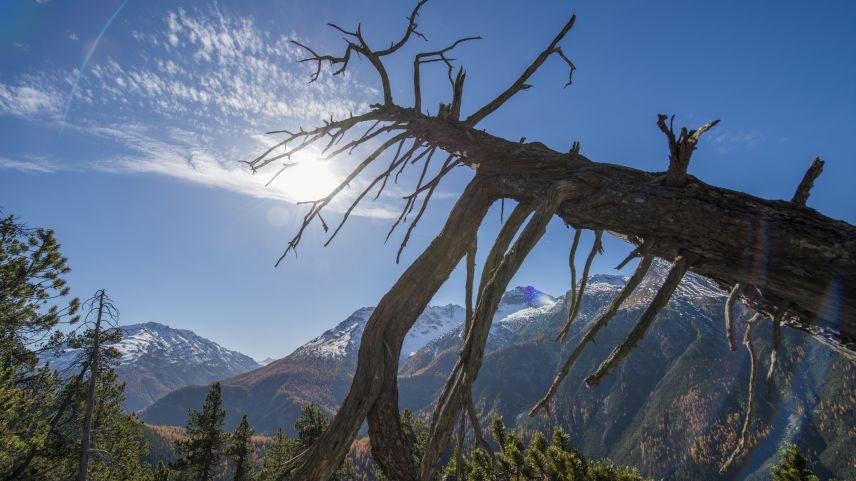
374,389
787,255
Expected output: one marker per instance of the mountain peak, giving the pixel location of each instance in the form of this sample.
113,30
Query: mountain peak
265,361
156,358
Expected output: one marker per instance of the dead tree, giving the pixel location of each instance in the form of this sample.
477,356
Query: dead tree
105,313
672,215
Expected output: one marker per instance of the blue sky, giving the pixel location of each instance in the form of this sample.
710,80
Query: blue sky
142,182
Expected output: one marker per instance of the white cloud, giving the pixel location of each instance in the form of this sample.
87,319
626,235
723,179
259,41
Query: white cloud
226,73
35,166
728,140
200,89
183,155
29,100
73,37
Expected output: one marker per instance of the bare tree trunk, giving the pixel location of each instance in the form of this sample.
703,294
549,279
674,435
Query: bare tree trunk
86,438
374,388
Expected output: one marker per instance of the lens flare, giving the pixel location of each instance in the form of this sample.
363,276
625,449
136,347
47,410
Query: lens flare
86,62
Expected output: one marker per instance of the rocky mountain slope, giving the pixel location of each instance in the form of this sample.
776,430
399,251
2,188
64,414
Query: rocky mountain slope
675,405
156,359
320,371
673,408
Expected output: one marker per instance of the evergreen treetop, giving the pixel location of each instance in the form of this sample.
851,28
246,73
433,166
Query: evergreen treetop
202,452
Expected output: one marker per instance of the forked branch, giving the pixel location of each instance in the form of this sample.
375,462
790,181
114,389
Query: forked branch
520,84
596,248
681,148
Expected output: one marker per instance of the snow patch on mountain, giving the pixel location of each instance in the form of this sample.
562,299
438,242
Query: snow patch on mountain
265,361
344,339
177,346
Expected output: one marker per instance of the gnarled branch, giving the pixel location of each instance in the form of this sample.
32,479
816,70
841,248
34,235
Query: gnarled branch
680,148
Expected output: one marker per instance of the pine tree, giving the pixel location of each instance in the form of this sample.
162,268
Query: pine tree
310,424
556,460
103,308
31,288
202,452
95,439
31,281
161,473
792,466
241,450
277,455
42,415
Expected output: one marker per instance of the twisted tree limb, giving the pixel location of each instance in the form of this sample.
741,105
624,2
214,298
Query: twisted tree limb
596,247
596,326
729,313
753,372
660,300
452,399
373,392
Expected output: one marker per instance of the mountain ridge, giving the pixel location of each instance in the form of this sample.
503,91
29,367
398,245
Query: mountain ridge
156,359
673,407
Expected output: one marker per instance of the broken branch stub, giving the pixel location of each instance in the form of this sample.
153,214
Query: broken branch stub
804,189
681,148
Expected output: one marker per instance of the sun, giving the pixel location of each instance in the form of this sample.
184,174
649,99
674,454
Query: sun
309,179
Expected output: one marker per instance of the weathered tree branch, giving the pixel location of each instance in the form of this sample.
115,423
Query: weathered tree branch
453,397
807,182
596,326
520,84
680,149
374,390
753,372
657,304
729,315
575,307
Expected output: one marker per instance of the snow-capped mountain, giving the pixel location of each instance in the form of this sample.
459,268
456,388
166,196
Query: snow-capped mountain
672,407
156,359
321,370
265,361
344,339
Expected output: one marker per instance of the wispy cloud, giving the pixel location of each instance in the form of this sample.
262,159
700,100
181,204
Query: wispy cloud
224,71
30,98
180,155
34,166
200,89
729,140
